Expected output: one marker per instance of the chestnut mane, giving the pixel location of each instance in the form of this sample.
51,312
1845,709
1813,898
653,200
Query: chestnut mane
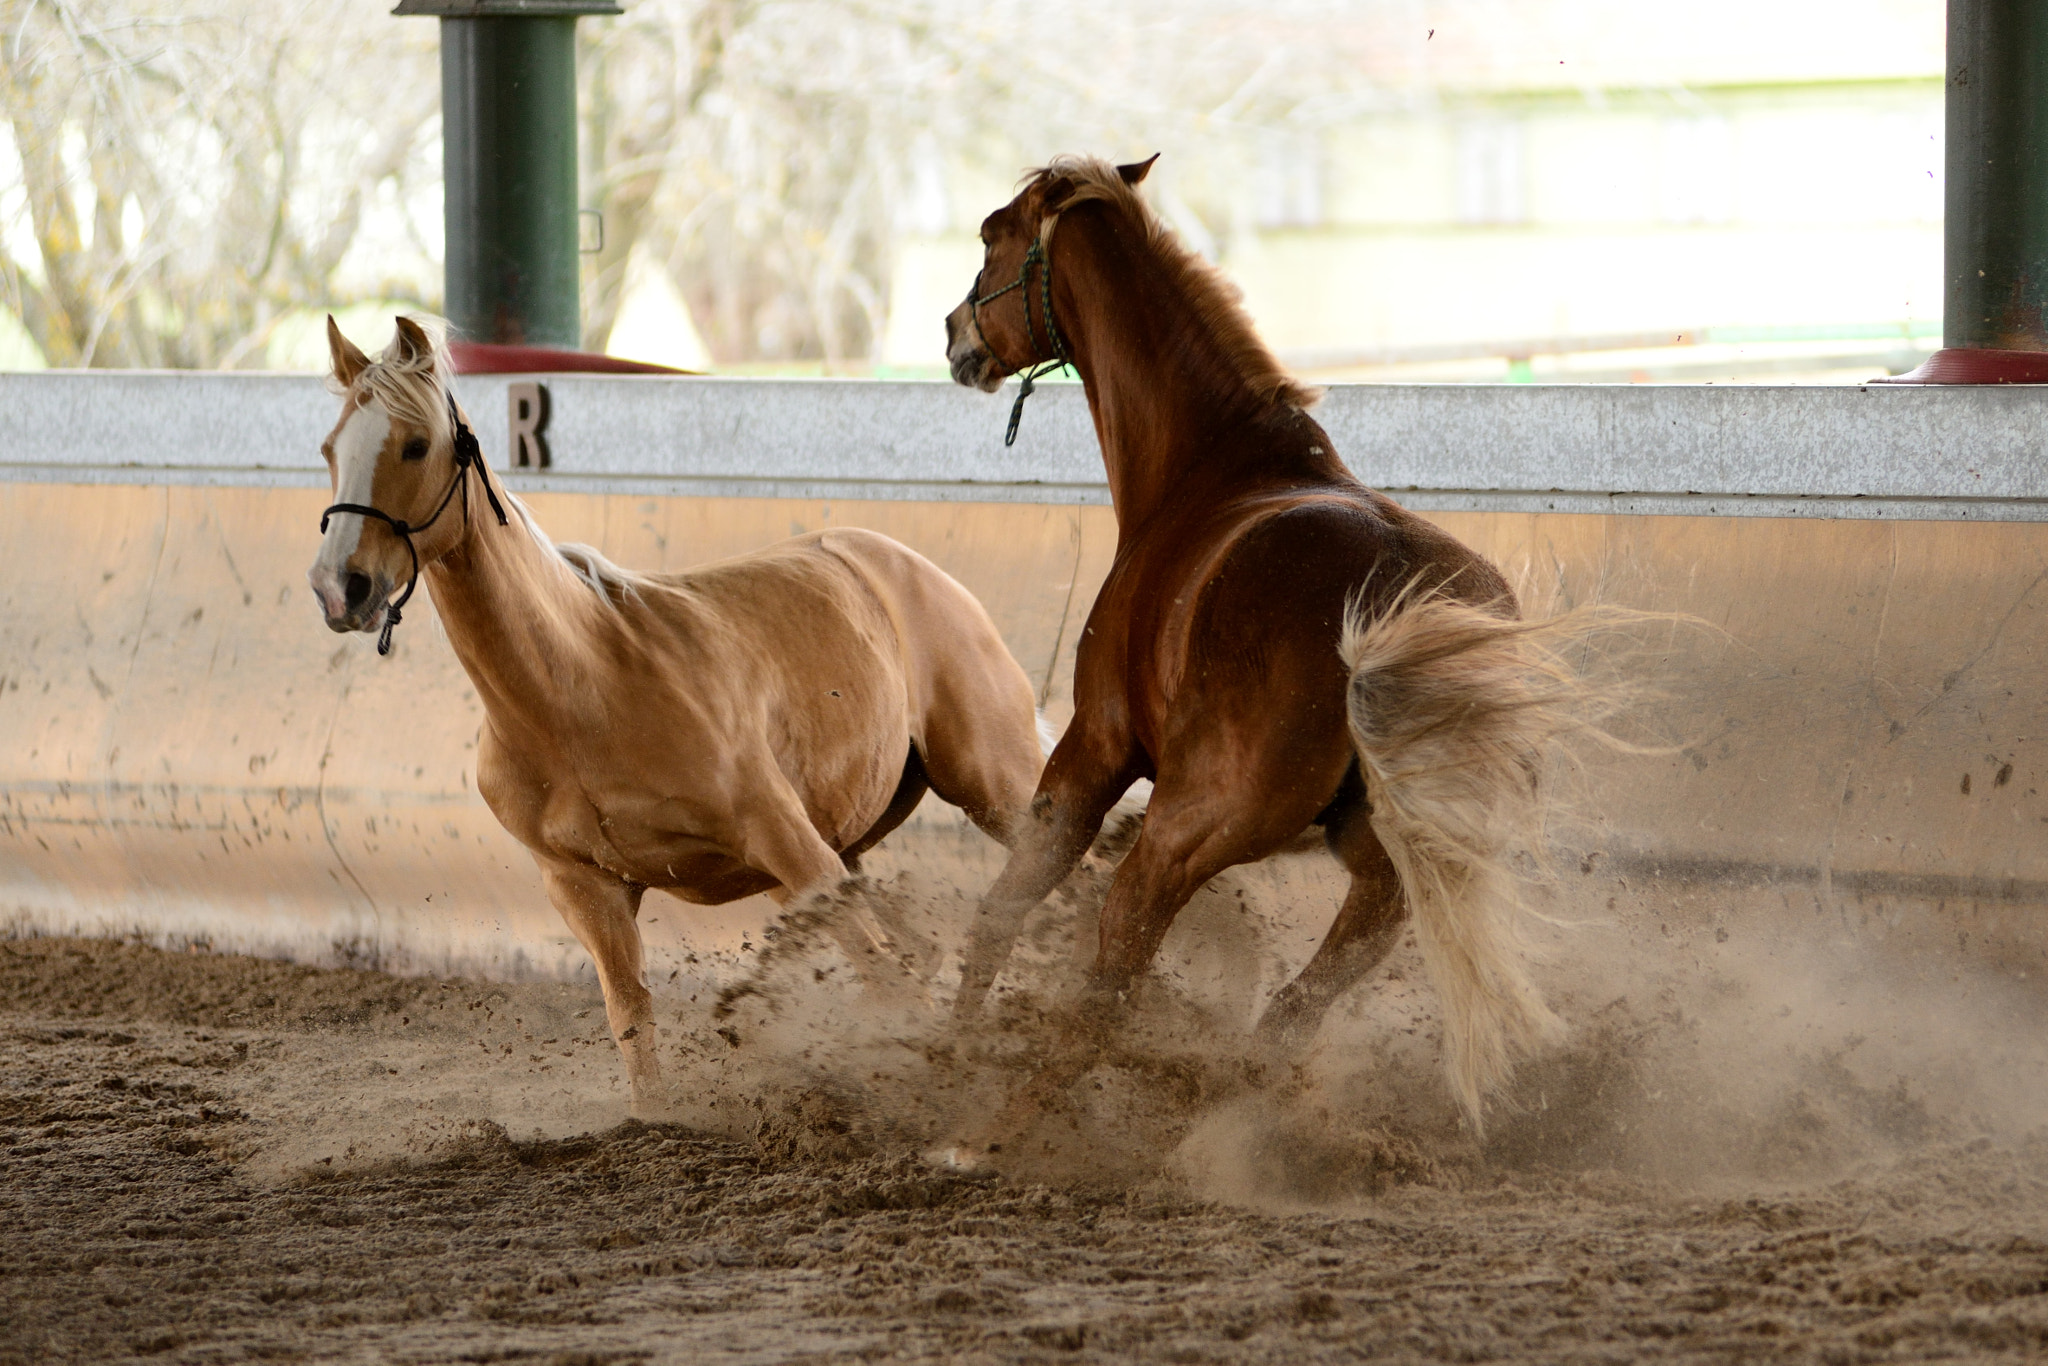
1241,360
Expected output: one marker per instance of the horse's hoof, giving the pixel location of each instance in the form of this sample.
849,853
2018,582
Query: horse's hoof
1285,1035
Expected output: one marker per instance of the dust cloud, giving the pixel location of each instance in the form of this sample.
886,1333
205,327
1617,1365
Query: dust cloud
1717,1042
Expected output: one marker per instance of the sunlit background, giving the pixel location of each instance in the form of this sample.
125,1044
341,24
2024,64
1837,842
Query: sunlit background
1475,190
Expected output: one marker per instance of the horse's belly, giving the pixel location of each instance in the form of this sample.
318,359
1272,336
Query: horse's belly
715,888
696,870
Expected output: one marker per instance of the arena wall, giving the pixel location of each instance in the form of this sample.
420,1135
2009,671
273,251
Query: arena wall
186,752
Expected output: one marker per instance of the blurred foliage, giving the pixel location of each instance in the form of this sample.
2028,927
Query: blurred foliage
771,153
179,179
185,175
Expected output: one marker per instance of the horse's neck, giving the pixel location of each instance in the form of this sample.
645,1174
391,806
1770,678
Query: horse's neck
512,611
1169,404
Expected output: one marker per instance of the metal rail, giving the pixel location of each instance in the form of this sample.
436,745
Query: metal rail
1926,453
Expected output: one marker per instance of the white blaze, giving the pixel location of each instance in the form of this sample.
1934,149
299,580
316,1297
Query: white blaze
356,449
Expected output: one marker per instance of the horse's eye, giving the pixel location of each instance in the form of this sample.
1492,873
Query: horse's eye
416,449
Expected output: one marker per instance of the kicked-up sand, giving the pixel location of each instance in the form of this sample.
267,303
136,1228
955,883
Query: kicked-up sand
1758,1145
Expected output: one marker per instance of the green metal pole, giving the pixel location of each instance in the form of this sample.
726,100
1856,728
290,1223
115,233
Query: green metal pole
508,138
508,110
1995,243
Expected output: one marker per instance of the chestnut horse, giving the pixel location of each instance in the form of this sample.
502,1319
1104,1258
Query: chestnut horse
749,726
1276,646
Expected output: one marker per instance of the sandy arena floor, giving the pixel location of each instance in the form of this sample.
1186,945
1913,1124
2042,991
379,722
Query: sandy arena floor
212,1158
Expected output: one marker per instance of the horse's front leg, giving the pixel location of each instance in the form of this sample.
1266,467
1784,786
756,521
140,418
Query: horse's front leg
1082,781
1173,857
602,911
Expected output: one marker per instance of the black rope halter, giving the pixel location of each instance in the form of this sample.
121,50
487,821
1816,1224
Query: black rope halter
467,453
1037,254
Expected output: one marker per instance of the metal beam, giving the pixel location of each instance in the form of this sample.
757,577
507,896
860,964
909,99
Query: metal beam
1996,230
508,138
1909,454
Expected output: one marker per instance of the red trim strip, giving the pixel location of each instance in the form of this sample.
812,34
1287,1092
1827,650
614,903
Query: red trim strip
492,358
1976,365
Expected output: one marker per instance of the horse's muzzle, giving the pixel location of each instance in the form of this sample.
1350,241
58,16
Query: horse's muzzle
350,600
973,364
977,369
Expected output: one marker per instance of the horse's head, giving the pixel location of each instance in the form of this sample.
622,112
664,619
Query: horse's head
392,452
1006,322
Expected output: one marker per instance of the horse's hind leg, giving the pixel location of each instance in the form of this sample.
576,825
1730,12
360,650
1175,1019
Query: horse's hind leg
910,790
602,912
1360,938
1193,831
777,837
979,737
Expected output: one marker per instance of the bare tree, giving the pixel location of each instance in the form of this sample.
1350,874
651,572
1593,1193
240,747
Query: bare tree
187,173
753,149
188,176
762,150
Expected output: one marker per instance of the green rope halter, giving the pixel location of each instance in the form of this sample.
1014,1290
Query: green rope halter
1061,357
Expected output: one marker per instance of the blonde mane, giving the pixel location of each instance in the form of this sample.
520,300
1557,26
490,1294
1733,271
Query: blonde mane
414,388
1217,302
611,582
408,384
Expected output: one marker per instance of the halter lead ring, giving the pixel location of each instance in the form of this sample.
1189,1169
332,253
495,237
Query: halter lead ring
467,453
1061,357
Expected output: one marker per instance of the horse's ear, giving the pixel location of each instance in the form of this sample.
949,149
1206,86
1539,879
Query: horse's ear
348,360
413,346
1136,172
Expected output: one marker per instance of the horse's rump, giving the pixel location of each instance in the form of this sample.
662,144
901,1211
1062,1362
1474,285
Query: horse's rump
896,643
958,676
1252,622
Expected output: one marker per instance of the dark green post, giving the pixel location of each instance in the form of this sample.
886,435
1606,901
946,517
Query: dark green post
508,146
1995,245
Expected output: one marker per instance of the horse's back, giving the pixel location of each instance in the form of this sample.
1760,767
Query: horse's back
801,596
1291,563
1360,546
953,665
845,558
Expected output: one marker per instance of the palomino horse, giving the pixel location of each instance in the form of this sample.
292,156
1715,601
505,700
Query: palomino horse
749,726
1276,646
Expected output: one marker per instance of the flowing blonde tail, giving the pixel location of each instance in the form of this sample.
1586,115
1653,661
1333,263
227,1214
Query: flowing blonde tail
1453,708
